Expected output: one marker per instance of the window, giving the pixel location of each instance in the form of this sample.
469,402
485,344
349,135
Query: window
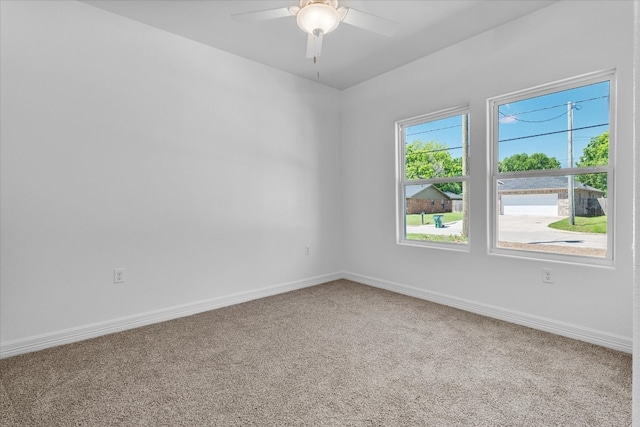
551,169
433,179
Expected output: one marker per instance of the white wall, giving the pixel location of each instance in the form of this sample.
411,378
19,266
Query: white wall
203,174
565,40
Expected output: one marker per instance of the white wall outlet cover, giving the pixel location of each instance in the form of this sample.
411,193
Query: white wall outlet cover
118,275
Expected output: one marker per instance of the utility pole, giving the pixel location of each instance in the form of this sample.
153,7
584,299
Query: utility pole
570,162
465,165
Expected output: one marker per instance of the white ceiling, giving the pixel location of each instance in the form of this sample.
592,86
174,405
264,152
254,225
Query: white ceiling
350,55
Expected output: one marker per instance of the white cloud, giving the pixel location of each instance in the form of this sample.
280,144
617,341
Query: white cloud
508,119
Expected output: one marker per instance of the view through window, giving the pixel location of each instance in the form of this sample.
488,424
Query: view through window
552,173
433,178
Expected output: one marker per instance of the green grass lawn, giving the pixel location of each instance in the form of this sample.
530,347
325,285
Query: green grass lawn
415,219
596,224
437,238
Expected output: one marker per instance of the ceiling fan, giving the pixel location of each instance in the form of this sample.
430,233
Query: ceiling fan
320,17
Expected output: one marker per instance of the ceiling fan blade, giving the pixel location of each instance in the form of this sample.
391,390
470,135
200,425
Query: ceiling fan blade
262,15
369,22
314,45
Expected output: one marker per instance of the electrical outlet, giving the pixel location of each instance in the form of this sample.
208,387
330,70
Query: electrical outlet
307,250
118,275
547,275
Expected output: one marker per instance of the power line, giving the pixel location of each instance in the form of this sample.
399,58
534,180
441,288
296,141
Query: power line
432,151
591,99
552,133
554,106
575,107
433,130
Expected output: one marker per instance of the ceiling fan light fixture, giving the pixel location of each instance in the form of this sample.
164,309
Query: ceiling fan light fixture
318,18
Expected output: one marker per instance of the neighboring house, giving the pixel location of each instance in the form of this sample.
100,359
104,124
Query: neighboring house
548,196
456,201
429,199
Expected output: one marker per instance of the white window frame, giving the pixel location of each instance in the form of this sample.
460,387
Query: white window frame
493,174
401,180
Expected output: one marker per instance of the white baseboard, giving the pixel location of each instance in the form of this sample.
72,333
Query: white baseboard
67,336
592,336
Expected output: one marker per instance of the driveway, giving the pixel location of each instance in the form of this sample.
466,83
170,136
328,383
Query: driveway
526,229
532,229
450,228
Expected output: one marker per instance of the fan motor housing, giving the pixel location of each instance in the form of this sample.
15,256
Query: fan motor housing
332,3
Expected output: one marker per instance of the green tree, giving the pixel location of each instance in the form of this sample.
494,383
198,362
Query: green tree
525,162
432,160
596,153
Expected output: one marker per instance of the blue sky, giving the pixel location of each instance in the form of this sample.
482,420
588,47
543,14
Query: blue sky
445,131
548,113
533,116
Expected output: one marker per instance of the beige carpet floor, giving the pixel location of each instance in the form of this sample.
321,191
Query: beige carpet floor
338,354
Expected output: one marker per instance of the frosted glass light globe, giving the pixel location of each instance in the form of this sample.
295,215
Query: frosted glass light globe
318,16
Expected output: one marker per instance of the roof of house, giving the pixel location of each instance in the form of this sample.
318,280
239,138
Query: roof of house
427,192
542,183
420,193
453,196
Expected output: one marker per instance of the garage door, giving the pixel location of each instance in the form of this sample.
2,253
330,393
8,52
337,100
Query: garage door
530,204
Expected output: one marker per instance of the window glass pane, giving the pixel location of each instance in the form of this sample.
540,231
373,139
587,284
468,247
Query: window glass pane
432,213
569,128
433,178
435,148
534,214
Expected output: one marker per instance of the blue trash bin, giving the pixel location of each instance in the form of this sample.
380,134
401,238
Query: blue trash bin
437,219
